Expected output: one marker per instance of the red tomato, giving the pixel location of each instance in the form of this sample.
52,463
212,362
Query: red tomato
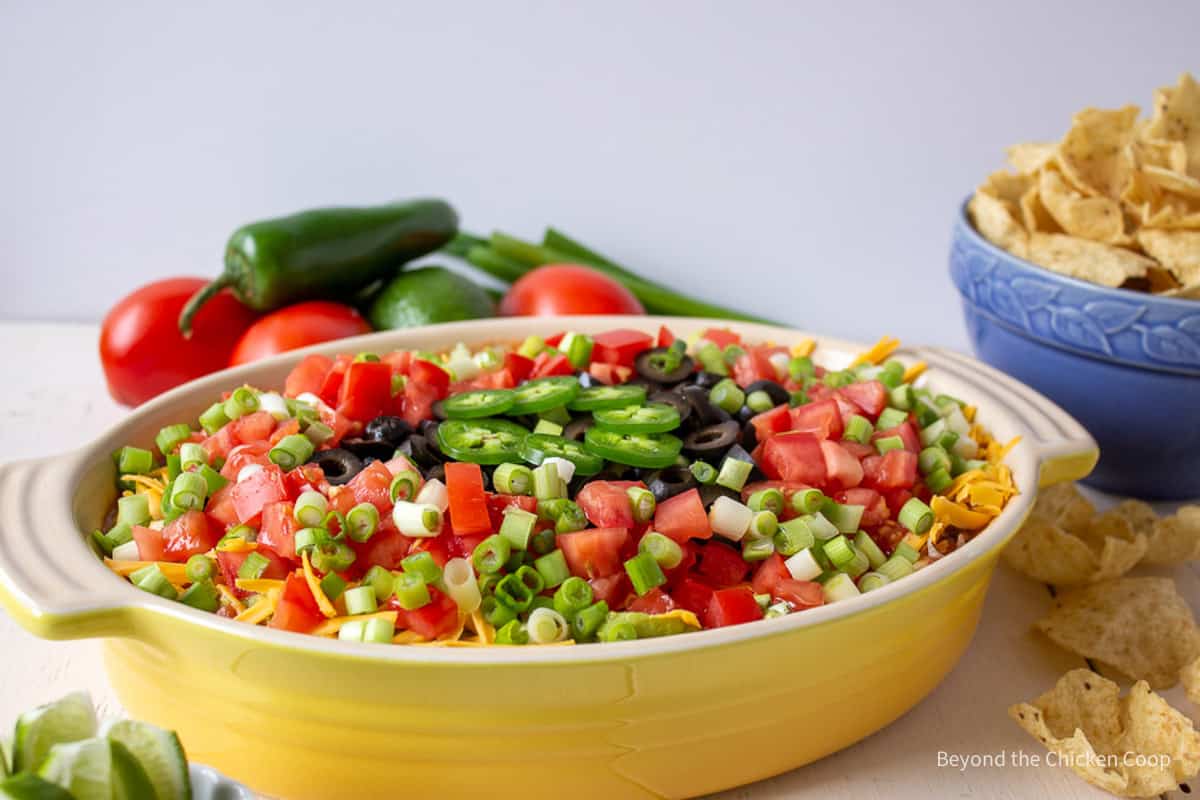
372,485
875,510
398,360
556,339
594,552
859,451
619,346
754,365
144,354
284,429
298,326
906,431
305,477
243,455
150,543
437,617
187,535
297,609
665,337
895,469
800,594
546,365
721,564
278,530
308,375
655,601
822,419
869,396
692,595
387,548
430,374
220,507
721,337
769,423
557,289
732,607
366,390
843,471
468,503
333,380
612,589
793,457
518,365
606,503
497,503
257,490
682,517
895,499
229,562
768,574
609,374
416,404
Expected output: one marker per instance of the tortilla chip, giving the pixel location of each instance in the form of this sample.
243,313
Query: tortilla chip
1160,153
1178,251
1007,187
1141,515
1175,539
1094,154
1090,261
1096,218
1064,505
1177,118
1161,281
1189,676
1136,746
1140,627
998,222
1029,157
1034,213
1119,545
1047,553
1171,181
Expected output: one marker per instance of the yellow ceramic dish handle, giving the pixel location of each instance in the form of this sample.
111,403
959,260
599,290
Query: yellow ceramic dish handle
1065,451
48,583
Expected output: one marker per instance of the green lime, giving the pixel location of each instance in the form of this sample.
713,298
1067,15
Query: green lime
28,786
160,754
97,769
67,720
5,749
129,778
428,295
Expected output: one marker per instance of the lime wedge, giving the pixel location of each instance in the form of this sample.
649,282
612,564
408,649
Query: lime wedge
130,781
160,754
67,720
5,749
84,768
28,786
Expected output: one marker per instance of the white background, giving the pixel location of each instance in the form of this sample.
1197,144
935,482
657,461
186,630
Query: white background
800,160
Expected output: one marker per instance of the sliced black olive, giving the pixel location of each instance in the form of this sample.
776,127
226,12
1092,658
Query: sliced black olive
673,398
576,428
739,452
705,412
711,441
744,414
749,437
369,448
338,464
587,380
392,430
428,429
709,494
650,386
436,472
419,451
670,481
663,365
777,393
706,380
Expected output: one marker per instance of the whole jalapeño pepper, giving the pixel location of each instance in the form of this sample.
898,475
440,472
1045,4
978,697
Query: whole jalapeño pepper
324,253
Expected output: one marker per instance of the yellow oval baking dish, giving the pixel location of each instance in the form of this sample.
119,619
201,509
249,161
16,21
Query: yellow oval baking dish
301,717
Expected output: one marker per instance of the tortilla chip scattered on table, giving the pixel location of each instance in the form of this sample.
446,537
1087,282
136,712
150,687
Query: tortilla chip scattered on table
1140,627
1132,746
1189,676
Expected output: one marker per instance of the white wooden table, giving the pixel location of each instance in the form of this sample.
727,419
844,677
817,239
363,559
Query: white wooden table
56,400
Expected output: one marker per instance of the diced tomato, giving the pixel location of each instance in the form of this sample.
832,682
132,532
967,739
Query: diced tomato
518,365
297,609
768,574
875,510
187,535
620,346
869,396
416,403
732,606
609,374
721,337
308,375
371,485
594,552
339,423
150,544
220,443
655,601
468,503
682,517
801,594
680,572
220,507
257,490
793,457
858,450
612,589
243,455
229,562
895,499
692,595
753,365
436,618
366,391
822,419
769,423
555,340
430,374
252,428
333,380
721,564
907,432
387,548
442,547
305,477
497,503
606,504
278,530
497,379
895,469
665,337
285,428
843,471
546,365
399,360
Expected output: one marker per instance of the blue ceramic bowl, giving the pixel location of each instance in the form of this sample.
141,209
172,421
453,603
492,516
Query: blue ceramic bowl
1125,364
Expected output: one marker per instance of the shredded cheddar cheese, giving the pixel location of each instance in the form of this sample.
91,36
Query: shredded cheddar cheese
259,585
175,573
261,610
231,599
878,352
236,545
914,371
314,586
803,348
